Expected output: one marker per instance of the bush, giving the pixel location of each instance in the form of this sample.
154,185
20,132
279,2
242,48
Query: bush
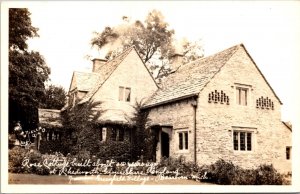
184,168
16,157
226,173
115,150
268,175
244,177
51,147
222,172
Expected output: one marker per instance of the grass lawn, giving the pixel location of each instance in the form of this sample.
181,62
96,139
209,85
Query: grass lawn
101,180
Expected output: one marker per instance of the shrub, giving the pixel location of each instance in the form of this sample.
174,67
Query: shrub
16,157
244,177
115,150
42,170
268,175
222,172
226,173
51,147
184,168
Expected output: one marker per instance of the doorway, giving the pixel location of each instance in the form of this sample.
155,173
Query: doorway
165,144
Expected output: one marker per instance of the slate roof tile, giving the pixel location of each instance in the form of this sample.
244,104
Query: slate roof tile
85,81
191,78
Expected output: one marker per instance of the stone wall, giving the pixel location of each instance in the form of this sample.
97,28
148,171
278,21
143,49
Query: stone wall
179,115
131,73
216,121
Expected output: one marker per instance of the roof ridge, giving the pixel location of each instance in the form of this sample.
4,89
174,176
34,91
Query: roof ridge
121,54
214,54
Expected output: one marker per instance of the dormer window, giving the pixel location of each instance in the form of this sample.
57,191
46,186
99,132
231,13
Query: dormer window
124,94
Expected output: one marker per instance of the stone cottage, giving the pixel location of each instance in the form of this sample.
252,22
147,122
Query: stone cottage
118,84
220,106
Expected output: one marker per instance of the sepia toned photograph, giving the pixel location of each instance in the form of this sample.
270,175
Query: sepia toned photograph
153,95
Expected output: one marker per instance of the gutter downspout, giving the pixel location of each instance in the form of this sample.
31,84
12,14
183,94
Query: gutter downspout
194,105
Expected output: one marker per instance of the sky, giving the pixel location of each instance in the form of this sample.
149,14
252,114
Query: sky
268,29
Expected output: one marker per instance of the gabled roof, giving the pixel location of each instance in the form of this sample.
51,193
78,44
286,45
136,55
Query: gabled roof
105,71
84,81
190,78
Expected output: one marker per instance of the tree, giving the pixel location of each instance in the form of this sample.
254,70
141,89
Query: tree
149,38
153,40
54,98
80,131
27,71
144,139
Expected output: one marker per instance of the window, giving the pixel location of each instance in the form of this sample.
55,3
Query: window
121,134
113,134
241,96
242,140
117,134
102,133
124,94
183,140
288,153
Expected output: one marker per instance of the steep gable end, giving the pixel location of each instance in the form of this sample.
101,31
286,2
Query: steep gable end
107,70
261,73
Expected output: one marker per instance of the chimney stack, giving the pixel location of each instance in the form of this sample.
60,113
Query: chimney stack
176,61
98,63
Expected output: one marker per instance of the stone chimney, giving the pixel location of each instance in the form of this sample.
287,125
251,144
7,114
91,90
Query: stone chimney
176,61
98,63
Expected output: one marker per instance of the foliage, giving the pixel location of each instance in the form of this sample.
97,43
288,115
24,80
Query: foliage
114,150
27,70
20,28
54,98
149,38
15,159
226,173
144,139
222,172
79,123
268,175
184,168
153,40
54,146
18,155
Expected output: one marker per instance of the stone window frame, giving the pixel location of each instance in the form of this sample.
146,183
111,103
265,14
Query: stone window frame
183,131
122,94
246,87
252,130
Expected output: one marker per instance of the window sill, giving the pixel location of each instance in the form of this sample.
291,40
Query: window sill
243,152
182,151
